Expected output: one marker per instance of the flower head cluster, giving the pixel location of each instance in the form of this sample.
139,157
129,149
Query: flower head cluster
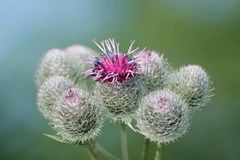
136,85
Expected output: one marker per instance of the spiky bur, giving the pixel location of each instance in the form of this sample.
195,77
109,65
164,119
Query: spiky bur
118,88
121,100
49,92
192,83
162,116
79,55
55,63
75,117
154,68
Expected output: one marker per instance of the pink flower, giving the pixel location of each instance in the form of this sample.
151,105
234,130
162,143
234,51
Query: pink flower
113,66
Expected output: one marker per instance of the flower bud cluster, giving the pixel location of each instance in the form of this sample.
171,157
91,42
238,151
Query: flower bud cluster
68,108
136,85
163,115
68,63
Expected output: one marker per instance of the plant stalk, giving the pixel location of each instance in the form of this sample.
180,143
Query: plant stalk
160,147
105,152
92,154
124,141
145,149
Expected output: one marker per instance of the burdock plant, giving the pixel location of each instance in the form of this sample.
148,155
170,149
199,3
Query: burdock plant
134,86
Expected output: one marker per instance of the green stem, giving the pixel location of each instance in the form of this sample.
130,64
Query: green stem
124,141
145,149
160,147
91,154
105,152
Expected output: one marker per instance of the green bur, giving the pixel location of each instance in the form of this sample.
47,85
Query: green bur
162,116
49,92
75,117
193,84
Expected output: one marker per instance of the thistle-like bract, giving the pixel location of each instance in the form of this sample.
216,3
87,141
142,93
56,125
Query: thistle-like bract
121,100
192,83
154,68
55,63
75,117
162,116
49,92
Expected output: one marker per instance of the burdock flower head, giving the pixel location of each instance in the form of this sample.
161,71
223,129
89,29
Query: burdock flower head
113,66
118,87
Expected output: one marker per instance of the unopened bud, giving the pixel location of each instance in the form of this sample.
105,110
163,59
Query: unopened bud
80,56
192,83
75,118
154,68
55,63
121,100
49,92
162,116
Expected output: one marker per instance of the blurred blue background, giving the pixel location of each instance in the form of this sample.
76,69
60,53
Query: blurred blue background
204,32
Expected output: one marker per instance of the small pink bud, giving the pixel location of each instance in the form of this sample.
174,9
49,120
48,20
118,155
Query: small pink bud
71,97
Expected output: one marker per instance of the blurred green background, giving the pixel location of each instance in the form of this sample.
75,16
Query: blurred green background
204,32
